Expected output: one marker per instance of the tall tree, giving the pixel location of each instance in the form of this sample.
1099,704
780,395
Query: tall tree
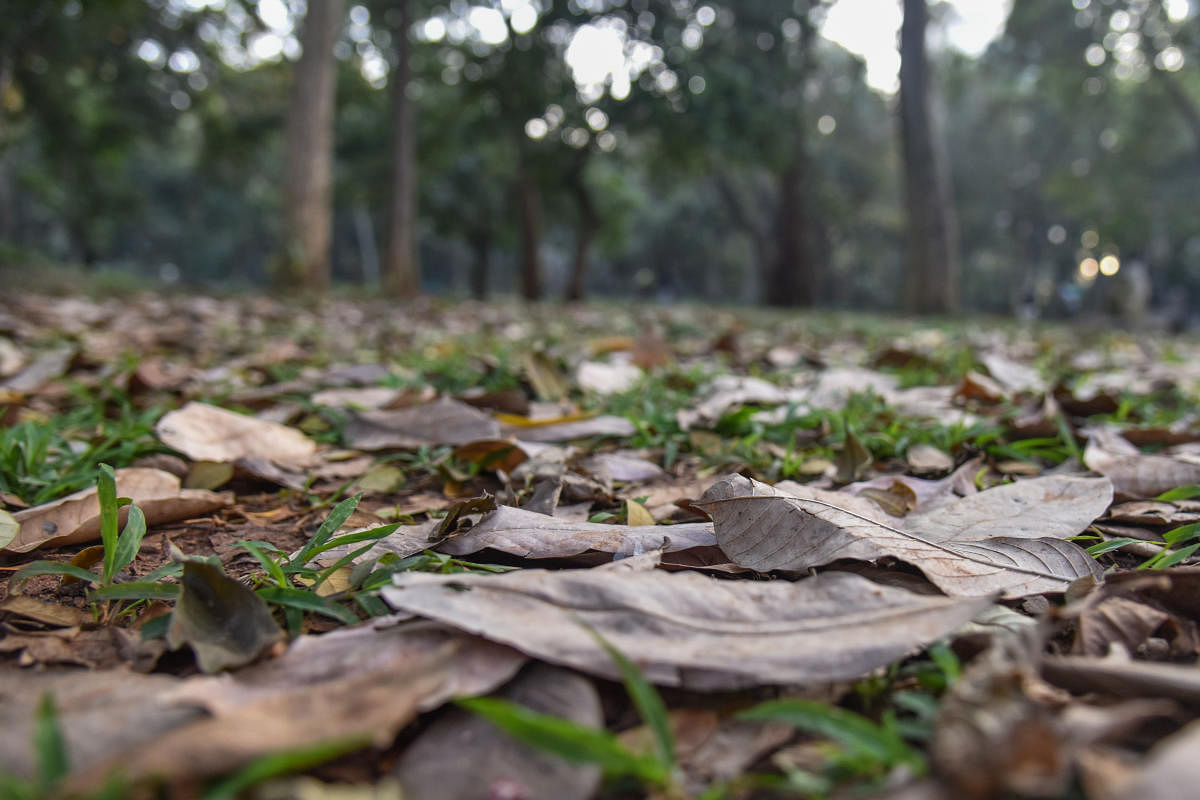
932,272
308,178
401,267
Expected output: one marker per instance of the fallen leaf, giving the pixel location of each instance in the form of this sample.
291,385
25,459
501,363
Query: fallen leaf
207,433
47,613
431,768
924,458
1116,620
686,629
605,378
75,519
544,376
446,421
636,514
383,479
358,399
622,467
528,534
357,686
1001,540
44,369
208,475
1133,473
578,429
225,623
1169,768
1122,677
854,460
9,528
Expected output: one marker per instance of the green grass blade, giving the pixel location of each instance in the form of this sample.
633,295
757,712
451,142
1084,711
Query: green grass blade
852,731
647,700
371,535
304,600
284,763
269,565
172,569
136,590
1181,534
49,746
130,541
106,494
565,739
1112,544
1180,493
339,515
52,568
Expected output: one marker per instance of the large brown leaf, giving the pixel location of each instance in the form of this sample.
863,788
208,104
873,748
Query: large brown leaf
531,535
1005,540
75,519
445,421
207,433
1132,472
686,629
355,684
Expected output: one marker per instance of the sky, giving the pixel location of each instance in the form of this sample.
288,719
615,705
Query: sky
869,28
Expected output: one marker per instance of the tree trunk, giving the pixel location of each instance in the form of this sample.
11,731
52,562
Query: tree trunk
790,276
401,267
481,246
308,179
529,208
589,226
932,271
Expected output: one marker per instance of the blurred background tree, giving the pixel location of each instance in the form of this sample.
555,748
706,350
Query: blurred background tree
727,151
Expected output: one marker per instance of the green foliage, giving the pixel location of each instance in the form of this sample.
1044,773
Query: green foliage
121,547
42,461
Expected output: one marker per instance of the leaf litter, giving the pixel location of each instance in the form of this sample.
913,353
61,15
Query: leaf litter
718,589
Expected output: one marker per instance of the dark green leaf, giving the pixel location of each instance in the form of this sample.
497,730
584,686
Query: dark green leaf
49,746
565,739
106,494
129,542
336,518
136,590
852,731
226,623
52,568
269,565
305,600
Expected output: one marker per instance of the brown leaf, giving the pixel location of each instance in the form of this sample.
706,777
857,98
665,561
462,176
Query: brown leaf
226,624
1133,473
1116,620
686,629
578,429
75,519
1121,677
924,458
354,684
431,768
528,534
1170,769
445,421
54,614
1002,540
207,433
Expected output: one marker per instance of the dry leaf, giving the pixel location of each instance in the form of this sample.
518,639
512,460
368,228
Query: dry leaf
577,429
927,458
207,433
606,378
686,629
1133,473
75,519
445,421
1171,767
431,768
528,534
362,683
975,546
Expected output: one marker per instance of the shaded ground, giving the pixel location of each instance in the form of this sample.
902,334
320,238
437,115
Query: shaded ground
960,556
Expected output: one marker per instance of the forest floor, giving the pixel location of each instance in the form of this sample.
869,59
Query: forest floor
431,550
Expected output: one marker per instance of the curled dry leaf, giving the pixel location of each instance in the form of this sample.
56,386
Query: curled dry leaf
686,629
75,519
206,433
225,623
1002,540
